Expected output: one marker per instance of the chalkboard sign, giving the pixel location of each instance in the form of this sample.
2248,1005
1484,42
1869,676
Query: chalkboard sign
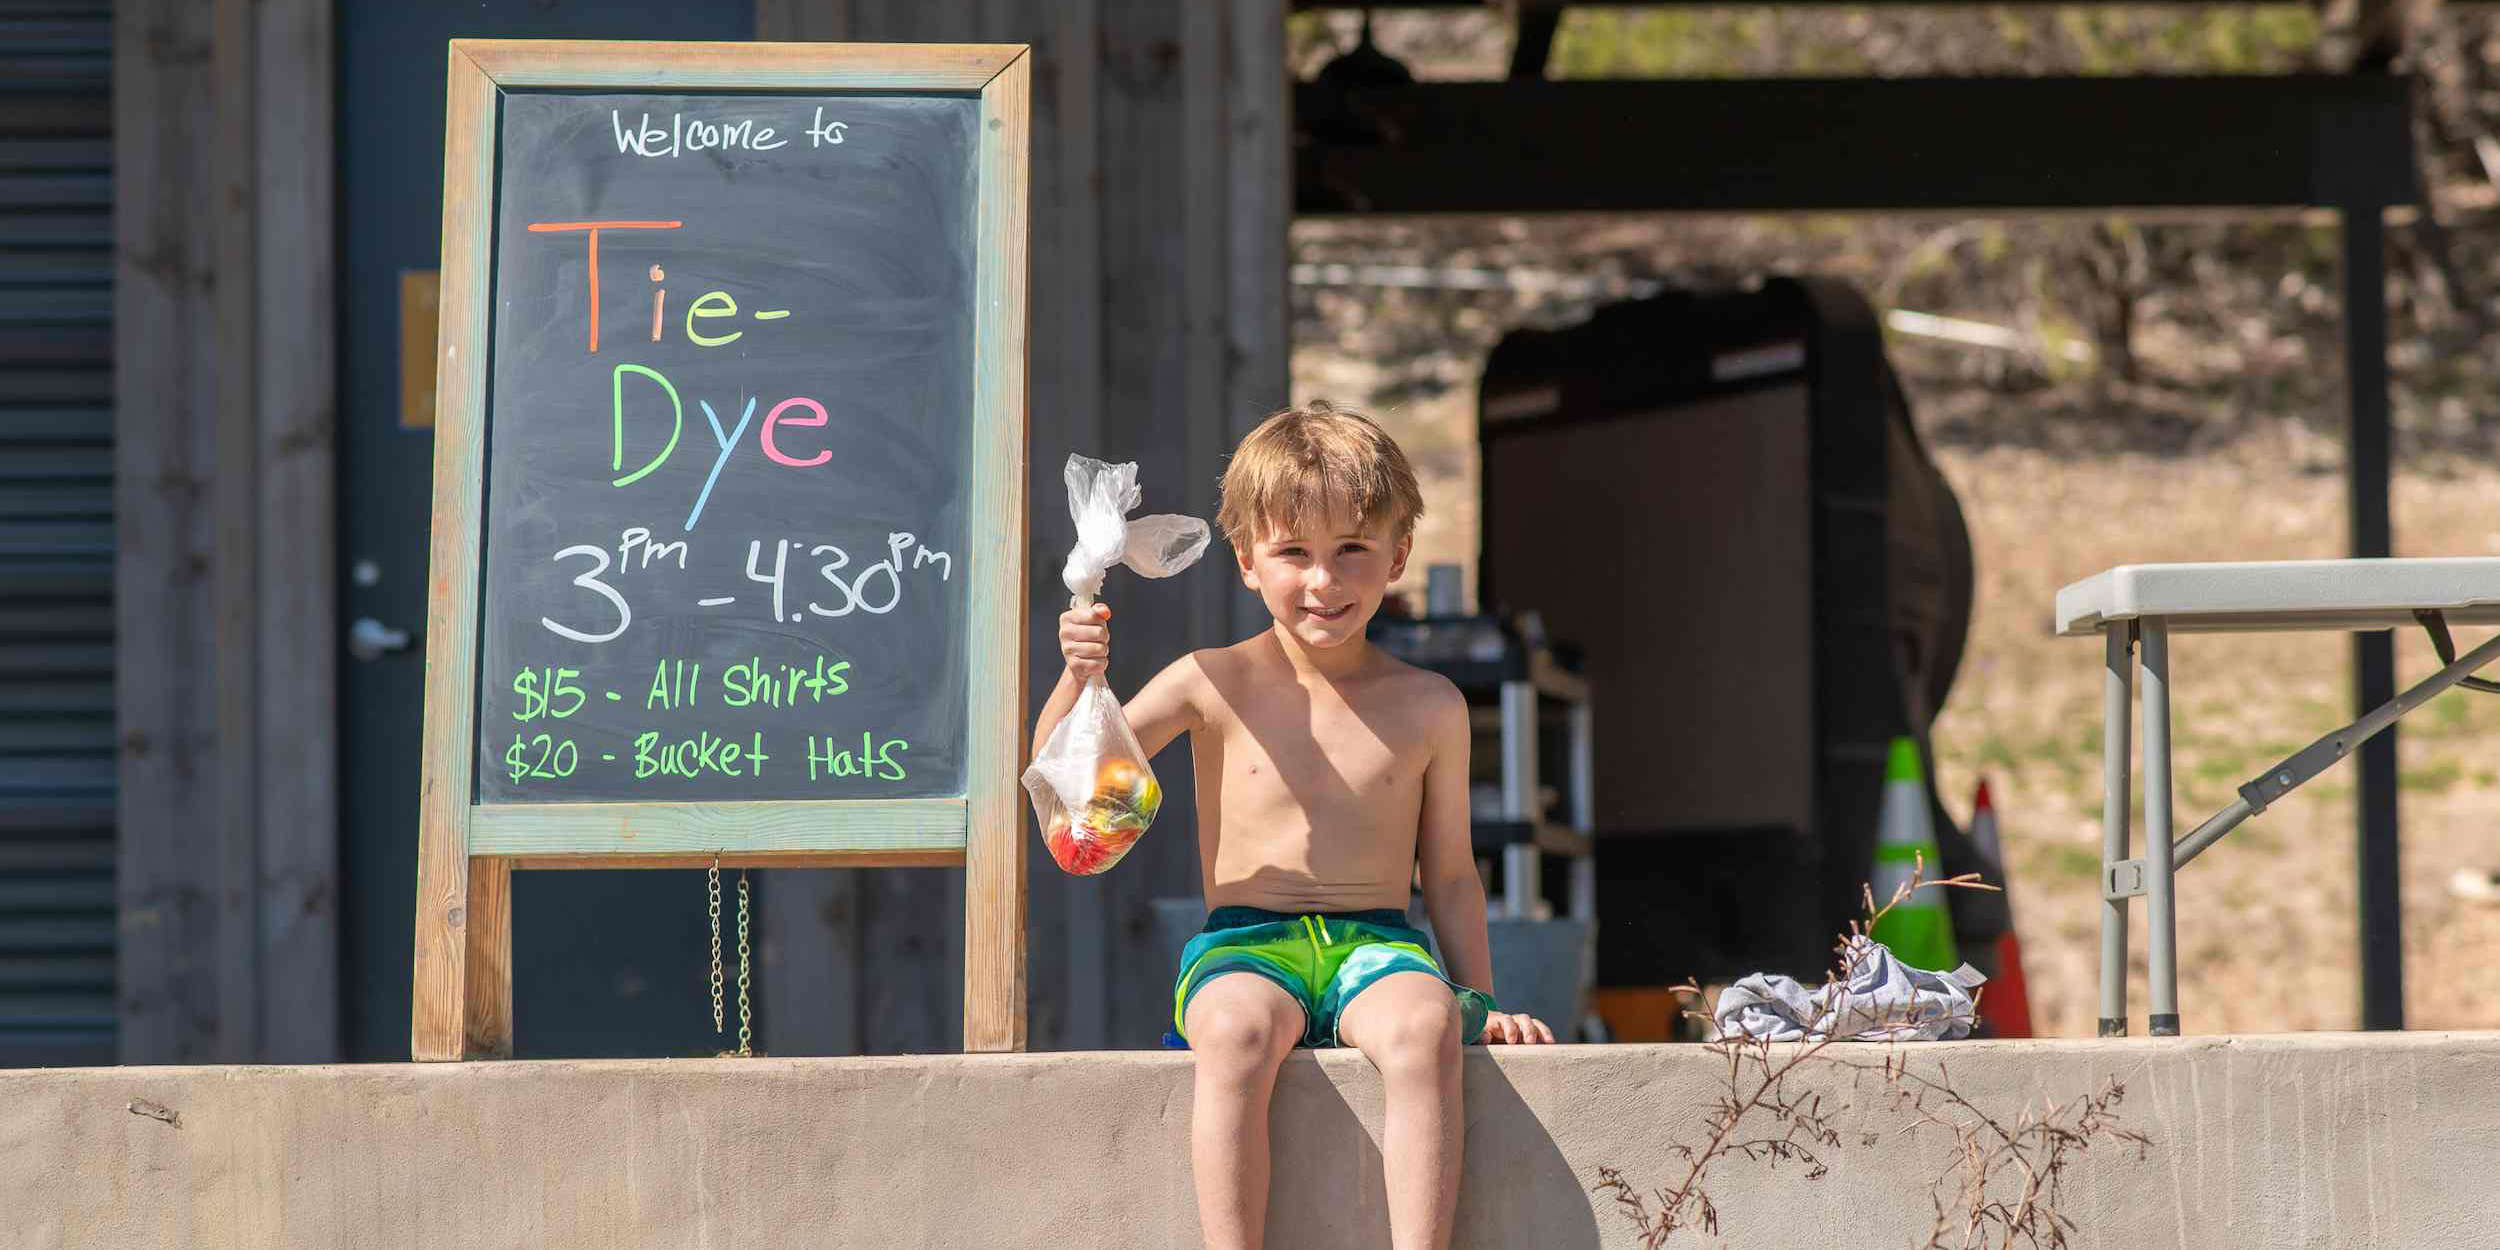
729,530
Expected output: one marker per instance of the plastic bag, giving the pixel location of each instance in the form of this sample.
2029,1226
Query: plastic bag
1091,788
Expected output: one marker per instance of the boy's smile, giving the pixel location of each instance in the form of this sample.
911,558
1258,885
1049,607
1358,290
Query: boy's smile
1323,579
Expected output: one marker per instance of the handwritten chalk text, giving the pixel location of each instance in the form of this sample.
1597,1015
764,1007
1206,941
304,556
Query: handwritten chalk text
682,136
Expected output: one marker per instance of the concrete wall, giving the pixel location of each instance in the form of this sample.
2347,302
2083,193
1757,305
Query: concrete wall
2311,1140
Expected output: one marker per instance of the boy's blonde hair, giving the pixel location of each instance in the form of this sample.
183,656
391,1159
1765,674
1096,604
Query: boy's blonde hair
1315,461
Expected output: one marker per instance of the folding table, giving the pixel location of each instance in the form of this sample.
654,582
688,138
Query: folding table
2144,604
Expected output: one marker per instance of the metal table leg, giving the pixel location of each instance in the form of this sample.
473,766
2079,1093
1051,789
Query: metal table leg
2160,870
2117,695
1584,812
1523,872
1522,876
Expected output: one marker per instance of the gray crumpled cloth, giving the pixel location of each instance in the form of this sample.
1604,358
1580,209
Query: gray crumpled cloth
1883,1000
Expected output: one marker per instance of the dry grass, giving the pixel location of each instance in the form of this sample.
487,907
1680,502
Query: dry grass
2268,924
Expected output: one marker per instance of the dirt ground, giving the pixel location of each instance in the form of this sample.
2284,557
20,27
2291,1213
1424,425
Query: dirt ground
2267,922
2267,926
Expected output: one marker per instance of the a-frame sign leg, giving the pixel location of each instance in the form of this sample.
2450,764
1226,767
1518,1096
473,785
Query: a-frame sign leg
463,985
994,915
488,987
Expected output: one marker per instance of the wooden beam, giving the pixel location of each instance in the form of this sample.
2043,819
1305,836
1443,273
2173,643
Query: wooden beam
296,884
236,599
1153,59
486,1018
1206,261
994,843
625,64
165,374
1069,932
1864,144
807,961
441,1000
1258,217
624,832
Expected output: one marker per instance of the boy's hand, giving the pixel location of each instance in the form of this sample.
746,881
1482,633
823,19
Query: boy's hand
1515,1028
1085,640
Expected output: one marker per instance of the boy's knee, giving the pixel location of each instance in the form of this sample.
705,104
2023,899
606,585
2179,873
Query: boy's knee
1239,1037
1420,1032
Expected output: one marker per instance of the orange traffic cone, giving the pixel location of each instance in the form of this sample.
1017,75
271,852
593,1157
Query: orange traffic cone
2009,1002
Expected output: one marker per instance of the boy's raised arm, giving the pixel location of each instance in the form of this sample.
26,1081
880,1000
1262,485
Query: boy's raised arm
1084,650
1164,710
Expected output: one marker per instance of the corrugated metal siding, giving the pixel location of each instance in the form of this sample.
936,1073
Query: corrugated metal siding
56,533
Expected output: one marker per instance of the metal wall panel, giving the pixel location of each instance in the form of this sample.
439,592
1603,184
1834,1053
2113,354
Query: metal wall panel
56,535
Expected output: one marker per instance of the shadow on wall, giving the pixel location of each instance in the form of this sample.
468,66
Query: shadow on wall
1519,1189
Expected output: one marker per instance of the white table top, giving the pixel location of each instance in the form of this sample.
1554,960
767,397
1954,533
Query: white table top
2284,595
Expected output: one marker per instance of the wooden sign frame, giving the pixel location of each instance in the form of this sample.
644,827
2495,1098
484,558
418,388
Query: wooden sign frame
466,852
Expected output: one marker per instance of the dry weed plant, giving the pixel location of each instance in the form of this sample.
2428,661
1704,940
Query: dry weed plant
1999,1187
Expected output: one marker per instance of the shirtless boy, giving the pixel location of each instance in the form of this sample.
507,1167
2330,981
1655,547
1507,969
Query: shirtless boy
1327,772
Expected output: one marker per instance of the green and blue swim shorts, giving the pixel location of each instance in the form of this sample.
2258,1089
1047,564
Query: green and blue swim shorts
1323,959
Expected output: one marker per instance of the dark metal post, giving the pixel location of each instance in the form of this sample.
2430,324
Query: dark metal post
2367,467
1535,42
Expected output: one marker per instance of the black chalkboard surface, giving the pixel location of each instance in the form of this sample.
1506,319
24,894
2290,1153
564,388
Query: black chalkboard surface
728,428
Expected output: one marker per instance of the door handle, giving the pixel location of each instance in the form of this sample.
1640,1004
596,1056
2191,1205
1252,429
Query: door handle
368,639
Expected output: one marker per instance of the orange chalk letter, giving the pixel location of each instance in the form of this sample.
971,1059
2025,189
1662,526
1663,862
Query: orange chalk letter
594,227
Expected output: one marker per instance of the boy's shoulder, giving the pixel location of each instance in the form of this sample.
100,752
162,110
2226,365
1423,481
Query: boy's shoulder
1201,669
1256,658
1422,685
1442,704
1217,666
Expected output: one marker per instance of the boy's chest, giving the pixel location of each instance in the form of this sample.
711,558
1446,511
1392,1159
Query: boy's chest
1326,750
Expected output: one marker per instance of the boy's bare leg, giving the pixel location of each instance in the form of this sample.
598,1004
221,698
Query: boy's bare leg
1240,1027
1407,1024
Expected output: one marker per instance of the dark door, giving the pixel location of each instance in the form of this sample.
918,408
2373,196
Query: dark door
604,963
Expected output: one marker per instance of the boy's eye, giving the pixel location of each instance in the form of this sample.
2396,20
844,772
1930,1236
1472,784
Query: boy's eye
1289,551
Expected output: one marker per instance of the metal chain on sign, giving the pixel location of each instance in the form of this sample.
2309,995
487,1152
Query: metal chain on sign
716,986
746,1017
746,1011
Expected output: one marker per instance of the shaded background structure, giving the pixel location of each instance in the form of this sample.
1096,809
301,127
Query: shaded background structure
212,478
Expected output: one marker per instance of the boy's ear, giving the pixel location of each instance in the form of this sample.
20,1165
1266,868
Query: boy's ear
1241,557
1406,547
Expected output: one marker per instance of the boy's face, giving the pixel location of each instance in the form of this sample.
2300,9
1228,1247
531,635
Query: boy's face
1323,579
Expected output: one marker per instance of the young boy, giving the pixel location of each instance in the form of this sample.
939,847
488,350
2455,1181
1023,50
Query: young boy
1327,771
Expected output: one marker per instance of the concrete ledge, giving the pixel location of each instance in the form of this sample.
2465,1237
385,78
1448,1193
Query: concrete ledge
2315,1139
